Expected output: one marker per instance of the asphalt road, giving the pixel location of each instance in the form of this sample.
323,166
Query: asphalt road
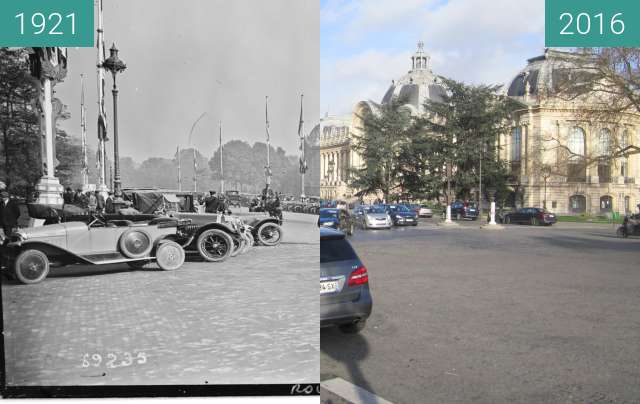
522,315
251,319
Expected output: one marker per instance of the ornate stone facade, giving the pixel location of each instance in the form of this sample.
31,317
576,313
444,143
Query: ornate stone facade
552,139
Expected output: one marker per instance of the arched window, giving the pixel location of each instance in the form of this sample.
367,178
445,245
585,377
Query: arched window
604,143
577,204
516,144
606,204
624,139
576,142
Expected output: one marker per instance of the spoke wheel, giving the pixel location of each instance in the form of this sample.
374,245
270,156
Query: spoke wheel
169,256
214,245
238,245
31,266
270,234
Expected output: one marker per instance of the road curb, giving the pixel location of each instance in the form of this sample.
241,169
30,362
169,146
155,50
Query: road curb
340,391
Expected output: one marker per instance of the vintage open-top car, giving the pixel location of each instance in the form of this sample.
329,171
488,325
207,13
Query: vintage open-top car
209,227
28,253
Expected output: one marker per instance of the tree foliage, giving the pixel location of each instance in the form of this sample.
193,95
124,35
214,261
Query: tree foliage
385,133
463,128
20,163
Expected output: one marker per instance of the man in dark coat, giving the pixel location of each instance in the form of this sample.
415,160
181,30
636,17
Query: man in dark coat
108,204
211,203
9,213
68,196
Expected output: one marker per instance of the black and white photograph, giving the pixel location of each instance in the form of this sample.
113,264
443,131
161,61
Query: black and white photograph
159,199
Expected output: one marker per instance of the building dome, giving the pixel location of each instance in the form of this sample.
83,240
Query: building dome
543,74
417,86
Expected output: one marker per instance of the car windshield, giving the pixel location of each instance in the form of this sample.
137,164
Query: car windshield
325,214
398,208
333,250
376,209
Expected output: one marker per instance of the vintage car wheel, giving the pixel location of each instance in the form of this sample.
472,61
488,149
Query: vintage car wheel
135,243
238,245
31,266
270,234
169,255
214,245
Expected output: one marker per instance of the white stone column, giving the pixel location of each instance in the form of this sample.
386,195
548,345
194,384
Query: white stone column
492,221
48,187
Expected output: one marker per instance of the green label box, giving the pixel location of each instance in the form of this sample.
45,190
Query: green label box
43,23
592,23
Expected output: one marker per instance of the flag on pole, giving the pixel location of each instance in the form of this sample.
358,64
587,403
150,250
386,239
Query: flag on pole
302,160
83,126
102,115
266,115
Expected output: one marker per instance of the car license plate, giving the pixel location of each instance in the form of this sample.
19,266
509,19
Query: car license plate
409,219
328,287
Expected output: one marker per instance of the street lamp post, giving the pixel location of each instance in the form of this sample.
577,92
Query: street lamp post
114,65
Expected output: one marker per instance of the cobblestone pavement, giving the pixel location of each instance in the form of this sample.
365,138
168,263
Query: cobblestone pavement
252,319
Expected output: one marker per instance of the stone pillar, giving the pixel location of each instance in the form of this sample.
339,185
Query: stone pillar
49,68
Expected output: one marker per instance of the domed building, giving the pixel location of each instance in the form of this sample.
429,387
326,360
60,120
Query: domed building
337,133
557,148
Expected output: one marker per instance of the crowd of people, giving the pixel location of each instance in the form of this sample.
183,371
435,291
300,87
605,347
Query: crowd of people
93,201
215,203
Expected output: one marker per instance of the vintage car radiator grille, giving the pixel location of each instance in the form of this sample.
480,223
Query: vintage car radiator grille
190,228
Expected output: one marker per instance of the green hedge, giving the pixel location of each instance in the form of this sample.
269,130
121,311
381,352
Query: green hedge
589,219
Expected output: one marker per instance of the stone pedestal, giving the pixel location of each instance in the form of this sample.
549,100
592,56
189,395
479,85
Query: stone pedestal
49,191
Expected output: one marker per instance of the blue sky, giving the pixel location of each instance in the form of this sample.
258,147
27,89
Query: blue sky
366,43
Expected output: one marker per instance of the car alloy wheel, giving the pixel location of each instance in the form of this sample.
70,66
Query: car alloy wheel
31,266
169,255
270,234
214,245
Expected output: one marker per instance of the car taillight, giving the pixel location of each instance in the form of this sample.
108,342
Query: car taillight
358,277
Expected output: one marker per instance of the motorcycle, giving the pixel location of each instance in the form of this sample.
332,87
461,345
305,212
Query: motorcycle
630,226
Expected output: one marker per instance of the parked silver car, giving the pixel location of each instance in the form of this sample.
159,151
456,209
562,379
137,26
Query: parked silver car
374,217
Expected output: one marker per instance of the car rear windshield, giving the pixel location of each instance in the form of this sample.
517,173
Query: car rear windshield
333,250
328,213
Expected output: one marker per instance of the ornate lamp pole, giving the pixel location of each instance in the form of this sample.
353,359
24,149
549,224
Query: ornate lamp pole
114,65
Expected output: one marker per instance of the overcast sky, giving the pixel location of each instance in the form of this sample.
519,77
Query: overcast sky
193,56
367,43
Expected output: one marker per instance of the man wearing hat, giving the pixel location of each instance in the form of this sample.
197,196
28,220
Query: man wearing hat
9,213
